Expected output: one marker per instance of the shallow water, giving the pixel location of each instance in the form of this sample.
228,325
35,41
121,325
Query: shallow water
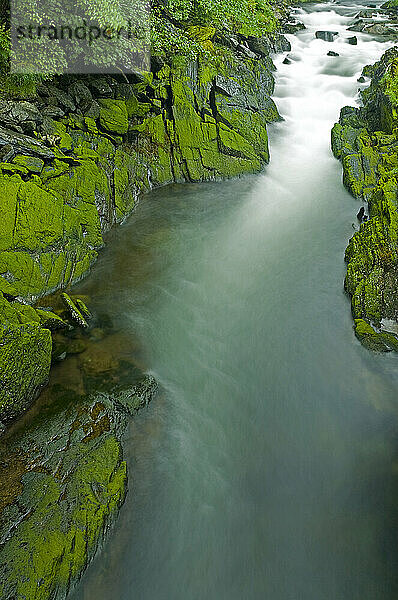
267,468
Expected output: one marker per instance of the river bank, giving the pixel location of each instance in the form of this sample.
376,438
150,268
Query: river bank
77,156
365,140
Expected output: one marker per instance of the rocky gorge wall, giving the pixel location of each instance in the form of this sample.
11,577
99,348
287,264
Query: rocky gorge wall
366,141
76,157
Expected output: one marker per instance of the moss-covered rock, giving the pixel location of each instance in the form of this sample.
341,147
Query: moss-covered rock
113,115
25,358
59,494
366,141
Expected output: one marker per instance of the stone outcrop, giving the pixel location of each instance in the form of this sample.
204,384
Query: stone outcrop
75,158
63,481
366,141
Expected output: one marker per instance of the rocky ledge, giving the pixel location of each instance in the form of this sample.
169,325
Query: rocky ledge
366,141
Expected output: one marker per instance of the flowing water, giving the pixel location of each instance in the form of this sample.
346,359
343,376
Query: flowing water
267,467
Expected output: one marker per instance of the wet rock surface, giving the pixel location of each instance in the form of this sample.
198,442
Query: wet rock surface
366,142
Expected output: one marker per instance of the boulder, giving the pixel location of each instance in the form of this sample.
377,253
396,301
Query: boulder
326,36
113,115
23,144
25,358
73,311
81,95
32,163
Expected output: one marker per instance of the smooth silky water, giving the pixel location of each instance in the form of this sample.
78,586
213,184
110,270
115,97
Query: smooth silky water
267,467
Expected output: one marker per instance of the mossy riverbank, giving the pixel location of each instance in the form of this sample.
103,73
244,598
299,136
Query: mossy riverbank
366,141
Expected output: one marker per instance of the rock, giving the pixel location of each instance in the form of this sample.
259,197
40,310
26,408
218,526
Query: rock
54,112
81,95
60,98
293,27
113,115
352,40
74,311
365,139
357,26
245,51
326,36
14,114
32,163
100,87
24,144
360,214
51,321
373,340
98,360
361,79
94,110
287,61
25,356
378,29
25,111
332,53
62,482
365,14
6,153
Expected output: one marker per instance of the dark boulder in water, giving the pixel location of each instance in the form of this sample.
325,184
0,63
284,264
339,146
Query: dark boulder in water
361,214
326,36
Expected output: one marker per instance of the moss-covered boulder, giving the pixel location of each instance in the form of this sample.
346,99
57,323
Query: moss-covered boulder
25,358
60,493
366,141
113,115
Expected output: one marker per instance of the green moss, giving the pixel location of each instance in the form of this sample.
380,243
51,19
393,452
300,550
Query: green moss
353,174
113,115
41,560
377,341
38,223
25,357
74,311
9,188
31,163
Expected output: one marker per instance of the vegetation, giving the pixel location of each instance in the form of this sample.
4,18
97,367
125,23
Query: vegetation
181,26
176,27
